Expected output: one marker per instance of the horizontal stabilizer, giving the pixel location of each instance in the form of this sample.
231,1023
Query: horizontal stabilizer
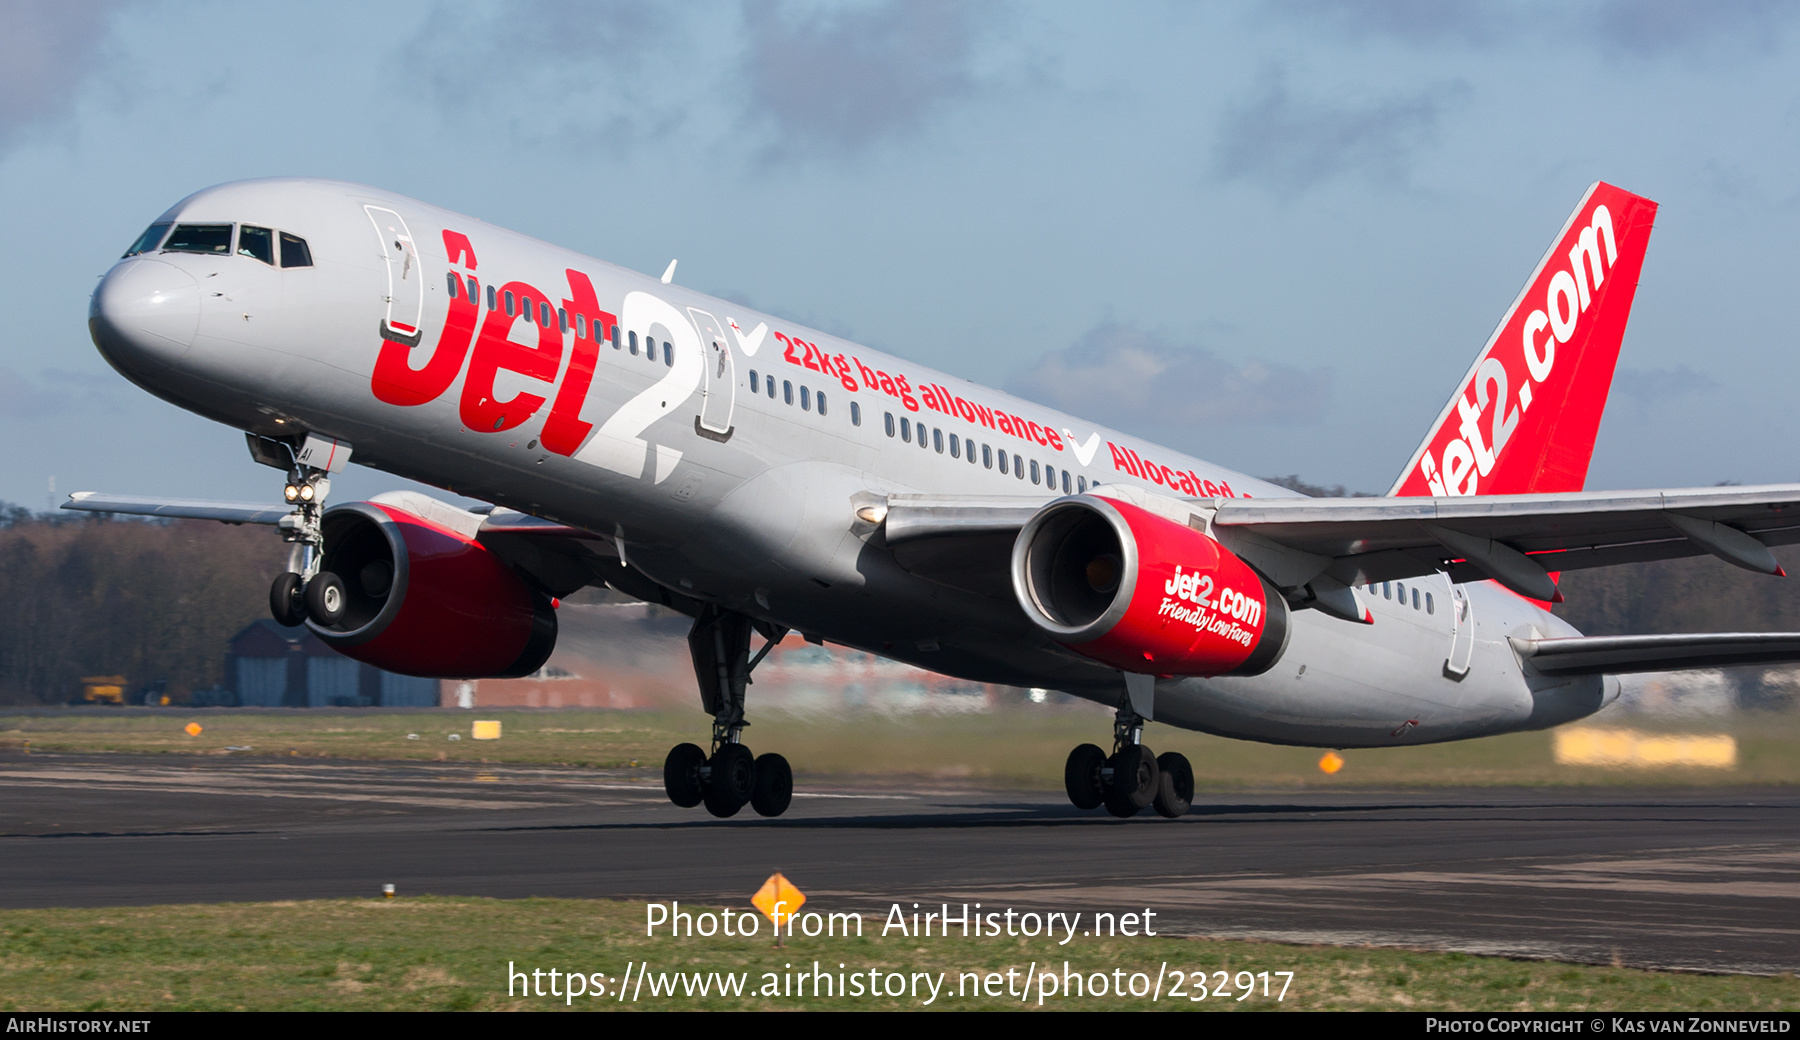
178,508
1617,655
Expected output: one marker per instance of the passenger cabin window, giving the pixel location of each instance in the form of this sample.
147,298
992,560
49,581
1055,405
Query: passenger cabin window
1429,608
987,457
755,387
955,447
821,398
787,391
510,303
200,238
562,321
1002,458
258,243
580,326
668,354
1019,467
855,414
615,337
937,440
490,297
150,239
905,429
294,252
1034,471
543,314
450,277
633,344
769,386
805,399
1065,481
887,420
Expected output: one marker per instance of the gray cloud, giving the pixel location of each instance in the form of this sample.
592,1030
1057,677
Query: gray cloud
46,49
1413,21
1289,144
597,71
1638,28
53,392
1651,27
1646,387
1145,383
846,81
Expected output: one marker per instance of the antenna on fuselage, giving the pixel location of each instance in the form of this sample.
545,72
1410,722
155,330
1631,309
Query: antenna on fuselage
669,275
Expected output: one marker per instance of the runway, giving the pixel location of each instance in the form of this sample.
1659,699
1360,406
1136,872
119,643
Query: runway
1698,879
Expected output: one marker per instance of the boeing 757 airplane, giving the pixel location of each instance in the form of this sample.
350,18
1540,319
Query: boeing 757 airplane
762,477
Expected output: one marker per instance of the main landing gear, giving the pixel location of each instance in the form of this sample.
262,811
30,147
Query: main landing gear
1131,779
302,592
730,777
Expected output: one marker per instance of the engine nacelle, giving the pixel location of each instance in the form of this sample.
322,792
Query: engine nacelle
1143,594
424,600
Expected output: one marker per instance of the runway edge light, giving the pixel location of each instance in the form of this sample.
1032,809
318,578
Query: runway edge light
192,729
1331,763
387,891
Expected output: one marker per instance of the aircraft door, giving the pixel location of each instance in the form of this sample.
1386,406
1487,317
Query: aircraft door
406,282
718,385
1462,632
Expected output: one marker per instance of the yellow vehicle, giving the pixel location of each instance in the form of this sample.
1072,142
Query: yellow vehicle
103,689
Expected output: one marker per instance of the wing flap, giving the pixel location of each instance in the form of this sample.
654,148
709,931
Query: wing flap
1618,655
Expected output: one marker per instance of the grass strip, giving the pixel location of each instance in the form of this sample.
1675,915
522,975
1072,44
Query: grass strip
1021,747
431,953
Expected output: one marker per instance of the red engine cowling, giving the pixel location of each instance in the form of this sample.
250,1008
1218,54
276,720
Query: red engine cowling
1144,594
425,600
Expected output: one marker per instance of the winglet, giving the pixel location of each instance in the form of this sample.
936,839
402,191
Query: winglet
669,274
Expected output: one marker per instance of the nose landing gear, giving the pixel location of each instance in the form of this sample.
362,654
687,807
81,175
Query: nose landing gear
731,777
301,591
1132,778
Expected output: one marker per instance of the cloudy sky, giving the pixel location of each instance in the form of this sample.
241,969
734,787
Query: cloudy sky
1271,235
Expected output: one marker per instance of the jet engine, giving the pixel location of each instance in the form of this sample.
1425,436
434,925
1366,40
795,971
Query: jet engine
420,599
1126,587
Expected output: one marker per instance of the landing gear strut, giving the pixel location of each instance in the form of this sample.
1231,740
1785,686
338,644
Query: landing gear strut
730,777
1132,778
301,591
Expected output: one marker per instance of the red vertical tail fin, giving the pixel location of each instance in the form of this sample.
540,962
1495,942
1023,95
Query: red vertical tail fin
1525,417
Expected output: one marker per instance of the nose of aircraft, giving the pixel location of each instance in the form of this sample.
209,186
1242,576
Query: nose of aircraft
144,310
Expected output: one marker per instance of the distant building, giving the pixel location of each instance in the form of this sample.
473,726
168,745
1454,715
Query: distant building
271,666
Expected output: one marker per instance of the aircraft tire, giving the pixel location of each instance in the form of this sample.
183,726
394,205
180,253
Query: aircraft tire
733,780
1081,776
326,599
286,605
1134,781
1175,785
681,775
773,788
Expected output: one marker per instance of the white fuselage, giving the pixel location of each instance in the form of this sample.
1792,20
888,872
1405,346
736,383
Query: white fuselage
719,489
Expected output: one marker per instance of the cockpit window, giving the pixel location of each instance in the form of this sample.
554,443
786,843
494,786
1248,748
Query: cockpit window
150,239
200,238
294,252
257,242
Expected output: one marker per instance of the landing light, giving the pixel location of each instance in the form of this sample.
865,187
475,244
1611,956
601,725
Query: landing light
291,493
306,492
872,514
